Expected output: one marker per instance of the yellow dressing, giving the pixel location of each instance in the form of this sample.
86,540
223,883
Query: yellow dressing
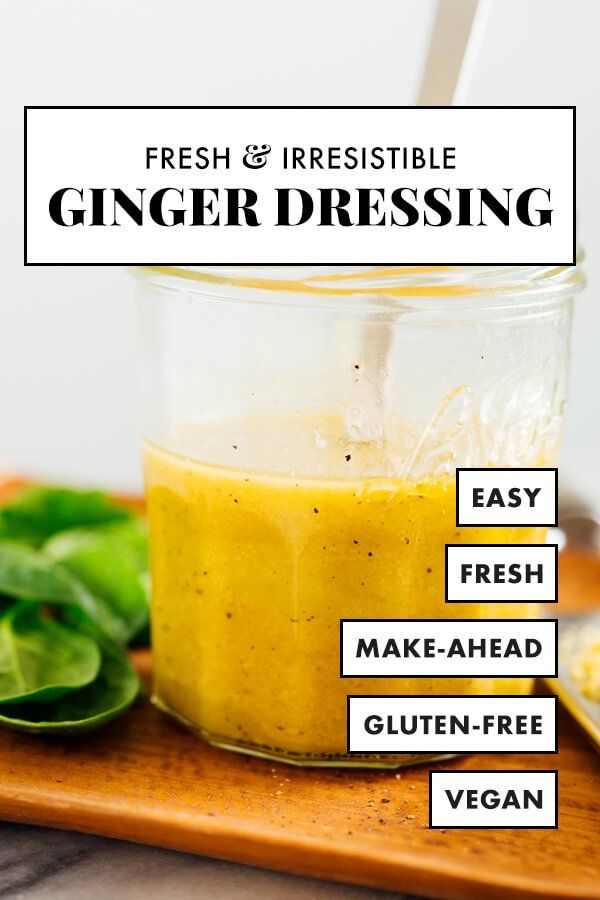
252,571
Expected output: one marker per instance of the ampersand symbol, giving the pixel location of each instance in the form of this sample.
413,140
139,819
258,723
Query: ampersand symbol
255,156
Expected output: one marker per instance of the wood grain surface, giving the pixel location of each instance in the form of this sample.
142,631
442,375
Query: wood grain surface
144,778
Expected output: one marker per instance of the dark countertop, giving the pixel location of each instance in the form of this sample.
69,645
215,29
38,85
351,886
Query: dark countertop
46,863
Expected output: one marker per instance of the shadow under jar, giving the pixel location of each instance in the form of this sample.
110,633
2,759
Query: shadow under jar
302,430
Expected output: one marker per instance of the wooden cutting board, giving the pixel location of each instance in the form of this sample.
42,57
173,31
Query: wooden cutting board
143,778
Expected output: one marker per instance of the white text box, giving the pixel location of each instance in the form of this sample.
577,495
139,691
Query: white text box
501,573
451,724
498,799
507,497
308,185
446,648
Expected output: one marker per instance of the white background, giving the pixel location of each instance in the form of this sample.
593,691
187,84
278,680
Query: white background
443,815
67,336
516,148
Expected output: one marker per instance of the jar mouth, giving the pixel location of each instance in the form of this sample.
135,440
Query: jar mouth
399,286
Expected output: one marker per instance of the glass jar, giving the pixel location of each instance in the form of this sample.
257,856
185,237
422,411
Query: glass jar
302,430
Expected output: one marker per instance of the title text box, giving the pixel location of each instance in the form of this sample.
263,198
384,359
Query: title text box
299,185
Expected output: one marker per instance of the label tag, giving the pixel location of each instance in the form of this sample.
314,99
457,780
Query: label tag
493,799
451,724
446,648
501,573
496,498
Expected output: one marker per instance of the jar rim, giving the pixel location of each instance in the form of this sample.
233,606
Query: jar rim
504,282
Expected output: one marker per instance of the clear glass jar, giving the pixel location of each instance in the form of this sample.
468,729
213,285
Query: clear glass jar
302,428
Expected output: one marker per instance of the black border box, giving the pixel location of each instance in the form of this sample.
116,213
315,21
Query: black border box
553,674
428,750
383,264
500,601
554,469
502,772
